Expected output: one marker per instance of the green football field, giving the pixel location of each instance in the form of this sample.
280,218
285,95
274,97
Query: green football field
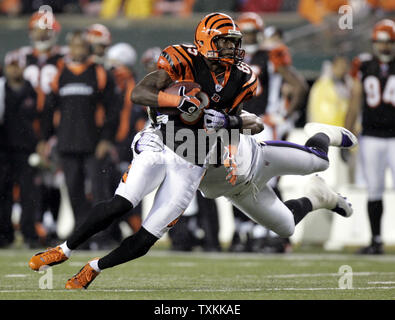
163,274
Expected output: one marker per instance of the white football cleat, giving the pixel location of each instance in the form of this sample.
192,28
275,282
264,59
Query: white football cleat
323,197
338,136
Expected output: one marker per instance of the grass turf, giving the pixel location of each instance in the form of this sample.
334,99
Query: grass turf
222,276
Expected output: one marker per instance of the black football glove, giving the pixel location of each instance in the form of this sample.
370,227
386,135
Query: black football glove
189,103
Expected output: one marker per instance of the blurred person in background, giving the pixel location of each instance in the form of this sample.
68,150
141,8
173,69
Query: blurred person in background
373,97
385,6
252,26
99,38
330,94
17,114
120,60
77,89
130,8
149,58
181,8
43,57
260,6
315,11
6,228
329,99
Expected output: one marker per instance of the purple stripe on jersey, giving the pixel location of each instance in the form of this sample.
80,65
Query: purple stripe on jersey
278,143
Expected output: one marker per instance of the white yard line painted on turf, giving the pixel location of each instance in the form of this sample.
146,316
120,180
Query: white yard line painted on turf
319,289
15,275
204,290
76,264
183,264
19,264
381,282
288,256
311,275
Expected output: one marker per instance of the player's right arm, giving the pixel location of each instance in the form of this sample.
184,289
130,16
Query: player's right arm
150,91
147,90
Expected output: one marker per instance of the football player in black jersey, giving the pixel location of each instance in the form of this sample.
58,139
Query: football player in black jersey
216,64
228,82
373,96
42,58
18,111
78,87
99,38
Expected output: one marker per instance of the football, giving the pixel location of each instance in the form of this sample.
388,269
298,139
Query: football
178,88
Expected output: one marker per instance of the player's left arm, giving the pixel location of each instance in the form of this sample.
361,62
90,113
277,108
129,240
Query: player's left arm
251,122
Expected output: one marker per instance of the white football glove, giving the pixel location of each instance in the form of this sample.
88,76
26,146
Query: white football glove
214,120
148,141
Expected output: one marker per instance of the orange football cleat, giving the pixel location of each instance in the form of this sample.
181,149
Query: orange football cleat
83,278
50,257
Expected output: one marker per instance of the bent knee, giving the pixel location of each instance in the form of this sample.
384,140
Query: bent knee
285,231
119,205
319,165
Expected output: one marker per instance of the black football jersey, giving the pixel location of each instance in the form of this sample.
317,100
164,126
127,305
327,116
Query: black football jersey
41,68
76,93
183,62
378,81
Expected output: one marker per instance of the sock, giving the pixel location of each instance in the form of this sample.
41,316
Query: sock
375,211
94,265
299,208
131,248
66,250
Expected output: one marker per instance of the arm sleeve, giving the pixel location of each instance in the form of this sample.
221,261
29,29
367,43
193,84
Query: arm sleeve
176,62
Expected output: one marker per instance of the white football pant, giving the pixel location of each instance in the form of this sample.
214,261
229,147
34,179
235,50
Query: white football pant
252,194
377,154
177,179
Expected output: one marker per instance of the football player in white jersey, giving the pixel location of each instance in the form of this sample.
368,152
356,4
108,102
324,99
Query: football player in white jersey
42,59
